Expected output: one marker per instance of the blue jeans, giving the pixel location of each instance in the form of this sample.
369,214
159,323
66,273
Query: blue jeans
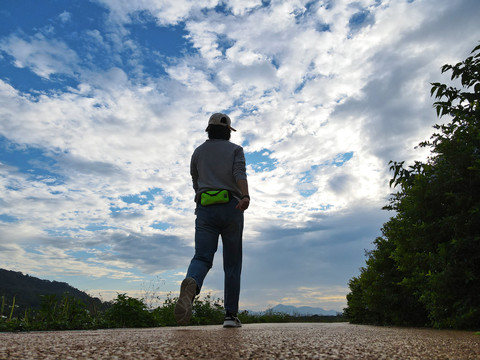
212,221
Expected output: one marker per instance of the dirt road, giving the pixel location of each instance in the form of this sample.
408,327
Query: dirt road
256,341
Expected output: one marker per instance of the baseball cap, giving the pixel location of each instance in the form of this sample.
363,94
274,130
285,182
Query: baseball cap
220,119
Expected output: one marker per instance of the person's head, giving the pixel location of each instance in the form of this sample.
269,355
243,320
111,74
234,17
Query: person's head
219,127
218,132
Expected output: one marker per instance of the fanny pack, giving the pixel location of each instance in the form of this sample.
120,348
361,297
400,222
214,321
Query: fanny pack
214,197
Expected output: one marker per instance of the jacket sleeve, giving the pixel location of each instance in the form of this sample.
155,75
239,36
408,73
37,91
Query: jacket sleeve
239,166
194,172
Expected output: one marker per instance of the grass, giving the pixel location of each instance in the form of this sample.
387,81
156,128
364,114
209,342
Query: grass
69,313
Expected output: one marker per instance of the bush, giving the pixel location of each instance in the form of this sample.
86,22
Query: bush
164,315
127,311
207,311
69,313
63,313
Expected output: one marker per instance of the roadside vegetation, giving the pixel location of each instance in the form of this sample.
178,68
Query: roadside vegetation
69,313
425,268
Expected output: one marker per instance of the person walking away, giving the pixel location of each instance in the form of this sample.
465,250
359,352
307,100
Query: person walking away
220,182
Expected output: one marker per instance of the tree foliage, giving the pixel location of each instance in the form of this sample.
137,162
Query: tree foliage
425,268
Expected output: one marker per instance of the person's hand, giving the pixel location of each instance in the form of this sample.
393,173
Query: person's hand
243,204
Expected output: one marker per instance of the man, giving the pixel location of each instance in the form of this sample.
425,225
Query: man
221,193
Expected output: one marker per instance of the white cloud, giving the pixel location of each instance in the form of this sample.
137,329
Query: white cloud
45,57
167,12
65,17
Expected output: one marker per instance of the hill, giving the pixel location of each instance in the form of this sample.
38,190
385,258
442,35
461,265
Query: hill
27,290
303,310
297,311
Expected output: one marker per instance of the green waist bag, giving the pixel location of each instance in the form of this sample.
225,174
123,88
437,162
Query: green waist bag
214,197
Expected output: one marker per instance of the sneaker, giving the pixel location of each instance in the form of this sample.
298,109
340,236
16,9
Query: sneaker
231,321
183,307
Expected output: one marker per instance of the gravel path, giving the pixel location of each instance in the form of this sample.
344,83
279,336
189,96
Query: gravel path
255,341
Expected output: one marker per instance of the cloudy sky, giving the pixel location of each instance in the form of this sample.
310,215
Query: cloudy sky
102,103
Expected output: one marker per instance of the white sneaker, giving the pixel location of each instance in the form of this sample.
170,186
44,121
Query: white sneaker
183,307
231,321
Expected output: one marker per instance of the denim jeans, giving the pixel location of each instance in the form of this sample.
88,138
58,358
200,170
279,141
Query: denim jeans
212,221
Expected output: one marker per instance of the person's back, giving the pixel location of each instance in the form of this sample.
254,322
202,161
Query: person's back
220,182
217,164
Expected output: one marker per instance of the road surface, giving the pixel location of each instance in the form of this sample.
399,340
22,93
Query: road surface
253,341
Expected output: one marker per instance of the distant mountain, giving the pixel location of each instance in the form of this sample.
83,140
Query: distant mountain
302,310
27,290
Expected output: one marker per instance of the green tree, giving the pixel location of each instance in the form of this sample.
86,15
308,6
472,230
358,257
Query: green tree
427,262
378,296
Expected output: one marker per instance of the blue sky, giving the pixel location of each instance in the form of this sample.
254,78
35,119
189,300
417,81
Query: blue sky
102,103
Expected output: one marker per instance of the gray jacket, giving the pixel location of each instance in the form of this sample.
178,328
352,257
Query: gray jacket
217,165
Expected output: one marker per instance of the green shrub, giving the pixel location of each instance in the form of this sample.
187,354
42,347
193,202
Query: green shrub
61,314
69,313
127,311
207,311
164,315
